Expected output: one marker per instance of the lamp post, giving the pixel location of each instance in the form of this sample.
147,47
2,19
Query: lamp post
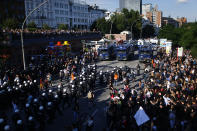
132,28
111,29
23,53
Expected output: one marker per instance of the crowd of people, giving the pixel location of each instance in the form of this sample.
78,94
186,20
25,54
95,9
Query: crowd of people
28,99
167,93
40,33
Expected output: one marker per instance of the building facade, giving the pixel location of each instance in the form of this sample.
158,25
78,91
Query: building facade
146,8
135,5
95,13
155,16
12,9
170,21
74,13
182,21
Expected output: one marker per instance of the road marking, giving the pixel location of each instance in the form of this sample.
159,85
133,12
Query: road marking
93,114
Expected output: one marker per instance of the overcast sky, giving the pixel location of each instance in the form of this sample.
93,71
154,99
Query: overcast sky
173,8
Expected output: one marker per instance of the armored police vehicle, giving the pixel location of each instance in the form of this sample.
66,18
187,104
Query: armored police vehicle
145,53
124,52
107,52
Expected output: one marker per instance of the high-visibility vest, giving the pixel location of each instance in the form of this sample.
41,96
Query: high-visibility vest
115,76
72,76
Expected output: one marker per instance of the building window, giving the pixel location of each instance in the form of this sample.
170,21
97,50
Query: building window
56,11
61,12
66,6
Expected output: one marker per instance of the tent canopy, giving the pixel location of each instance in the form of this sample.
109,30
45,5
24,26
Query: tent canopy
59,43
66,43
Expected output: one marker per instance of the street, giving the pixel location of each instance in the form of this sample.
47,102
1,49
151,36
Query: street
63,122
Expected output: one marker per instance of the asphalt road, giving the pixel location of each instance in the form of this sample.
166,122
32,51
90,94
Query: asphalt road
62,122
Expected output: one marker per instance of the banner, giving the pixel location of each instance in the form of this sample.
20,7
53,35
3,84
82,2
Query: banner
168,47
163,42
141,117
180,52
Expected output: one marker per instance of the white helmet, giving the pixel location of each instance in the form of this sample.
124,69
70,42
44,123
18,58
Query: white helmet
19,122
41,108
27,105
30,118
6,127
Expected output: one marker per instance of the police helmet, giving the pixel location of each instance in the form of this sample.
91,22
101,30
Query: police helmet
64,90
27,105
16,111
19,122
41,108
6,127
30,118
1,120
35,100
49,103
43,94
56,96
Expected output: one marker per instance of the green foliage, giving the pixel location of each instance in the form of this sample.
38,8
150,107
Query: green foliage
120,22
10,23
32,25
112,37
148,31
46,27
103,25
184,36
194,51
62,26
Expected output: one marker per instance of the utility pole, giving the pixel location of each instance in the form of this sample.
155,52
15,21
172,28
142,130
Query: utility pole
22,43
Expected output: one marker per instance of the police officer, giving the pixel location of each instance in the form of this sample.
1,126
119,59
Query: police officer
56,102
138,70
65,98
19,125
40,116
50,112
30,123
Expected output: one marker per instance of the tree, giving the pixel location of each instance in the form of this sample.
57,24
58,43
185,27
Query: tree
103,25
148,31
32,25
62,26
93,26
120,22
184,36
10,23
46,27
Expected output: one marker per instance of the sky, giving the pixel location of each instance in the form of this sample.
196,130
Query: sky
173,8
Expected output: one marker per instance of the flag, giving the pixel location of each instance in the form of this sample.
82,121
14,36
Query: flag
141,117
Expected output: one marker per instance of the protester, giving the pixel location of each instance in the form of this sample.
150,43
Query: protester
167,93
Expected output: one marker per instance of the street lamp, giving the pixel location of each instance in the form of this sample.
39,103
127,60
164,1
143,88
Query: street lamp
111,28
41,4
132,28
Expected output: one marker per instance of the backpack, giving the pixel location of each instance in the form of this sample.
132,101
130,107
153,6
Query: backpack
89,95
